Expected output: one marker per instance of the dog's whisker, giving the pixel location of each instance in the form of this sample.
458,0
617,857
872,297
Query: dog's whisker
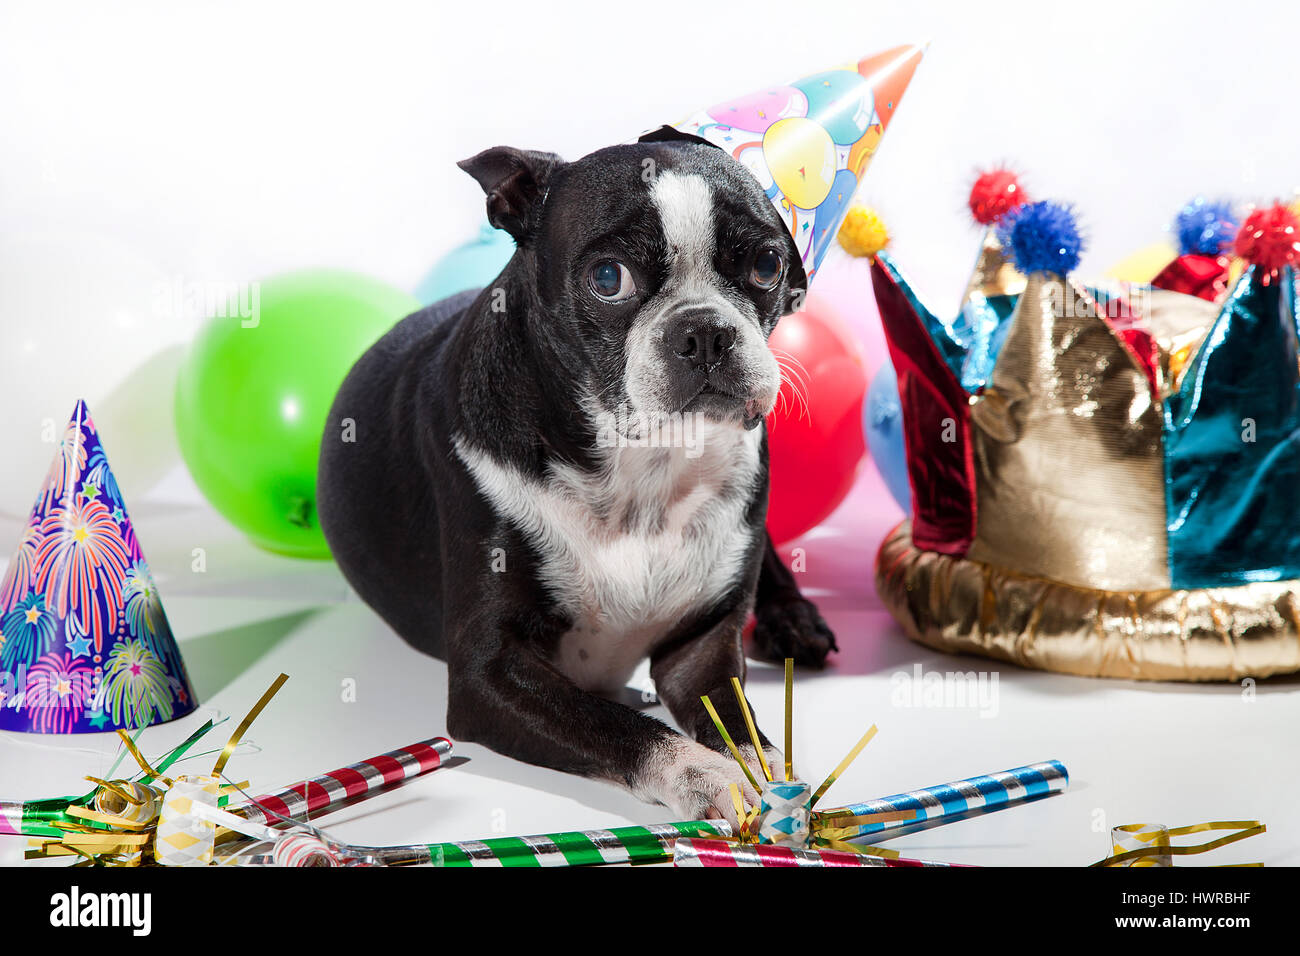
794,373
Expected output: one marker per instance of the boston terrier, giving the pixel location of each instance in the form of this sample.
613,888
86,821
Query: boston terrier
546,481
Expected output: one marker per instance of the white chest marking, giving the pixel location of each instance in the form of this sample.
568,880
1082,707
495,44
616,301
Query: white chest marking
630,550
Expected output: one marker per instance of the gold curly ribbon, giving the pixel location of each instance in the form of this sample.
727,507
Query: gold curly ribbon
1158,837
134,751
244,724
128,799
116,824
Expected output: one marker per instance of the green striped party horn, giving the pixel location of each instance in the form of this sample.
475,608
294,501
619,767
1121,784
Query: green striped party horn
648,844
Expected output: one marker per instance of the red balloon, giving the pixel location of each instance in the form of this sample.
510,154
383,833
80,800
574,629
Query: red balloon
814,435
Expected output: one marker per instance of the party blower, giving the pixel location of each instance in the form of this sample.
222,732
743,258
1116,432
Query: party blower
84,642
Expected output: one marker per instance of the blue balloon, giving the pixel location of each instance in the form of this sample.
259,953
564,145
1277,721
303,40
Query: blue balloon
882,423
470,266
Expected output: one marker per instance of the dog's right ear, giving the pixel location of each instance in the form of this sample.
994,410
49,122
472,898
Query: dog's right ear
515,182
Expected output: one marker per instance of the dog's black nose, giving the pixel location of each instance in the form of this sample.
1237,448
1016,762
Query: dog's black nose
702,342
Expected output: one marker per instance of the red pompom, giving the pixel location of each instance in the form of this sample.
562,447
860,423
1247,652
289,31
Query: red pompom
995,194
1269,238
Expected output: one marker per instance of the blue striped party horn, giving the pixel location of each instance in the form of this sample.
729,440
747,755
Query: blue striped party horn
959,800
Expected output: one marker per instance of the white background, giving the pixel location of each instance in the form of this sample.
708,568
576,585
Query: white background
232,140
235,140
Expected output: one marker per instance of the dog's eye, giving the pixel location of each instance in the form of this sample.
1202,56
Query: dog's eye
612,281
767,269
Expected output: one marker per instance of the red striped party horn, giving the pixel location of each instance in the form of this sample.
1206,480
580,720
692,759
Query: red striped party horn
331,790
694,852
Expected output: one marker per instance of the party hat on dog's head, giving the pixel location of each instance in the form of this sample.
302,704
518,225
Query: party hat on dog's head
1083,511
84,643
809,143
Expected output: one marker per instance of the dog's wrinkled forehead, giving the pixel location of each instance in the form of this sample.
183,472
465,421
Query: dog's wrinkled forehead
681,195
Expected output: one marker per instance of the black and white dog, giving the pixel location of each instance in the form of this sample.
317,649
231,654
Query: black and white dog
547,481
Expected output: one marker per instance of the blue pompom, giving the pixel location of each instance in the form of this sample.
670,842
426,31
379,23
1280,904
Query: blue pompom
1042,237
1205,228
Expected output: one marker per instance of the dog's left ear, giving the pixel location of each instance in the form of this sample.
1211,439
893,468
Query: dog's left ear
515,182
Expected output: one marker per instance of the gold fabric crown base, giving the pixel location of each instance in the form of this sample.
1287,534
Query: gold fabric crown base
967,607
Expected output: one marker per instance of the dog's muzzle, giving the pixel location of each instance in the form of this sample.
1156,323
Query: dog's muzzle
705,354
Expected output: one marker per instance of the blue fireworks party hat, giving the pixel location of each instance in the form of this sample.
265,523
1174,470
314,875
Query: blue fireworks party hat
85,645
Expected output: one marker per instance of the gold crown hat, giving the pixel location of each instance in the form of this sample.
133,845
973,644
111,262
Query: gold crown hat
1080,513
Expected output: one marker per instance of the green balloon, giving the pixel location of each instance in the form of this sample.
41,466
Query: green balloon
255,389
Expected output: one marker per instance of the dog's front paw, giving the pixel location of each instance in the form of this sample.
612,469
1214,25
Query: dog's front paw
695,783
792,627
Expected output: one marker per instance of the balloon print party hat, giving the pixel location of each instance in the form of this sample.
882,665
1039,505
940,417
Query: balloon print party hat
84,642
1095,508
809,143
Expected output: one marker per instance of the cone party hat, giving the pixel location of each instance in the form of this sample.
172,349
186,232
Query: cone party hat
85,645
809,143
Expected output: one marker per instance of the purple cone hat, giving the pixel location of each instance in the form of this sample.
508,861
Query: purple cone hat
84,642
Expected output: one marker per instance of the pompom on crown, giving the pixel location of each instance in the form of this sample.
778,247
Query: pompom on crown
994,194
863,233
1205,227
1270,238
1042,237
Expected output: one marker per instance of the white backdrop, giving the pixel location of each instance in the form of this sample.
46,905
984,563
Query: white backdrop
224,142
228,141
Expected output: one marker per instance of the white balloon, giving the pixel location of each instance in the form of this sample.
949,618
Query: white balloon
82,317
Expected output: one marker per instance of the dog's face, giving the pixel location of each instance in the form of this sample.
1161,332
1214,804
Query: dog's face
660,268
